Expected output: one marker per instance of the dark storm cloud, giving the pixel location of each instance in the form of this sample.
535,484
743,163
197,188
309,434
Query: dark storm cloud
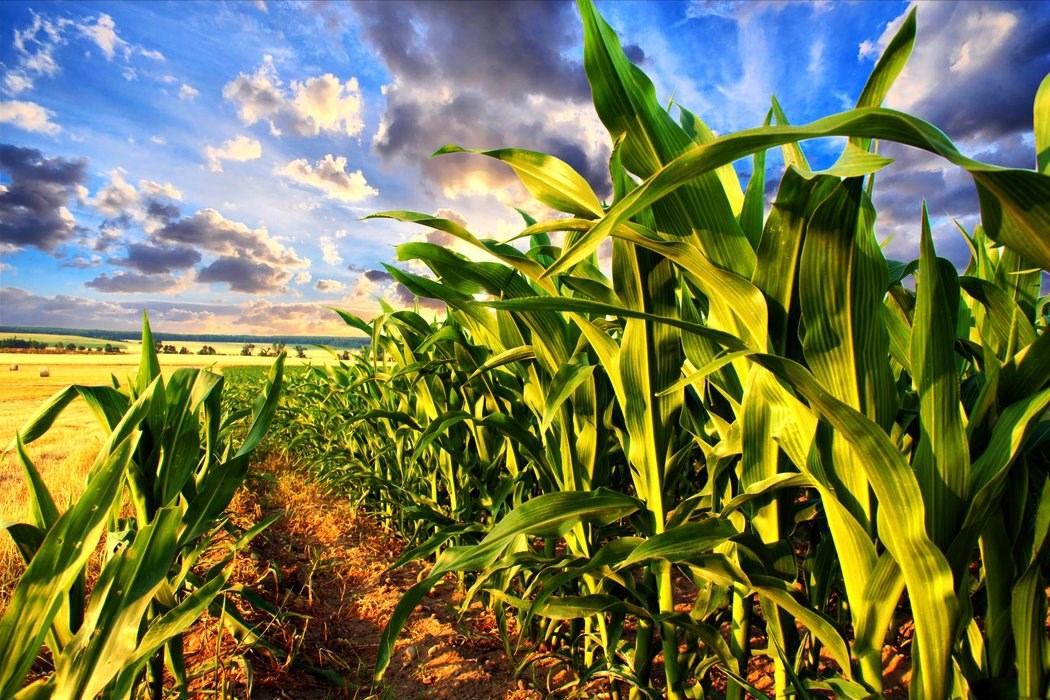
245,275
158,259
492,58
131,282
976,67
378,275
33,208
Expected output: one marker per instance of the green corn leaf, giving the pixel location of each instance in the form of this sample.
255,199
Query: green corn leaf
353,321
42,510
942,459
886,71
1015,204
684,542
548,179
562,386
266,405
58,562
1042,128
901,522
149,366
118,604
592,307
626,103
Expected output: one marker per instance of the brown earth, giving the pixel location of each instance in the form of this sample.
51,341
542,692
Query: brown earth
323,567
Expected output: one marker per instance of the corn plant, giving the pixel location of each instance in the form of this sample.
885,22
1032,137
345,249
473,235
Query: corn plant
756,402
169,462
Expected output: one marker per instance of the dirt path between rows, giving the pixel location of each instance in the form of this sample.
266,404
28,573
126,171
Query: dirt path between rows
322,566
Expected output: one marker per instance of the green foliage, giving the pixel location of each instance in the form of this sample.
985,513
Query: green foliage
169,452
756,403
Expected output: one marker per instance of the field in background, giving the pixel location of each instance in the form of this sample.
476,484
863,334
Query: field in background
65,452
50,340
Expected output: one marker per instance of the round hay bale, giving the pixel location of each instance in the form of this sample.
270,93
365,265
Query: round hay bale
44,372
13,368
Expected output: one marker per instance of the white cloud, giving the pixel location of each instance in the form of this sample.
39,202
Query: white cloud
104,33
118,197
329,251
188,93
239,149
156,189
16,81
154,55
303,278
330,176
160,140
28,116
321,104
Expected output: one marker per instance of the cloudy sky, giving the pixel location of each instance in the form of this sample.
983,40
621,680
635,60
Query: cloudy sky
211,161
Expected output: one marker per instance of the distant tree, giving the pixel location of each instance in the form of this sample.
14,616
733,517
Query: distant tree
71,346
345,355
247,349
207,350
276,348
265,352
184,350
158,345
81,348
300,352
169,350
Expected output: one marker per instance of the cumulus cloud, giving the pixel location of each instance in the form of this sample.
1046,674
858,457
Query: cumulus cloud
28,116
243,274
975,68
118,196
133,283
329,286
188,93
330,176
238,149
209,230
125,205
321,104
153,259
156,189
33,207
483,75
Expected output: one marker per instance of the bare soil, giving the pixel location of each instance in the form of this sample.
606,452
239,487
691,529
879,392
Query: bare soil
323,568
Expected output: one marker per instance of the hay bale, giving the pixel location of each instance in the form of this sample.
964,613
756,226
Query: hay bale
44,372
13,368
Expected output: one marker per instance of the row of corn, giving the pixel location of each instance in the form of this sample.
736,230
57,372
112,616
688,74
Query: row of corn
748,425
155,501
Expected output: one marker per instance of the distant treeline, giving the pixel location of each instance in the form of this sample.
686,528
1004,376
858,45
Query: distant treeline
288,340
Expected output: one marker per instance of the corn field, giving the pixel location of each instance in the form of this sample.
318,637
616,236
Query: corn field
747,420
156,496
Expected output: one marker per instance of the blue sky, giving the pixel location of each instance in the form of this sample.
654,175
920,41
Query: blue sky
211,161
